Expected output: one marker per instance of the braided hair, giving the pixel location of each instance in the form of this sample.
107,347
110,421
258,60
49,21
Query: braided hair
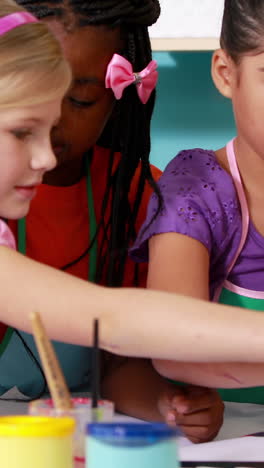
128,131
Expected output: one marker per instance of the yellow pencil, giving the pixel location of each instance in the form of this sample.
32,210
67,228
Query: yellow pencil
52,370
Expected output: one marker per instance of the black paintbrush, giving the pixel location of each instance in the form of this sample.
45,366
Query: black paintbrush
95,372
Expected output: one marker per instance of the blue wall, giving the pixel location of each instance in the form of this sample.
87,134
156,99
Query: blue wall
189,111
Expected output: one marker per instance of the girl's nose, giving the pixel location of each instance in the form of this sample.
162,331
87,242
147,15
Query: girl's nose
44,159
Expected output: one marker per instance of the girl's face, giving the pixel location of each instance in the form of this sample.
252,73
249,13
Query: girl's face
248,101
25,154
88,105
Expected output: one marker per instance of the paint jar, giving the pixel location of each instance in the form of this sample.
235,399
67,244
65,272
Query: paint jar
82,413
128,445
36,442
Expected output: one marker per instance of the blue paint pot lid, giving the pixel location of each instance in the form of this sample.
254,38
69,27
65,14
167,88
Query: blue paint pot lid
125,432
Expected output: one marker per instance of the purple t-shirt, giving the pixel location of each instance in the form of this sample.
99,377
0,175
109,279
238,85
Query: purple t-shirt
200,201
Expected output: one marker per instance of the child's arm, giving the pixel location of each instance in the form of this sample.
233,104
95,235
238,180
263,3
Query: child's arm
178,263
139,391
133,322
215,375
181,264
134,386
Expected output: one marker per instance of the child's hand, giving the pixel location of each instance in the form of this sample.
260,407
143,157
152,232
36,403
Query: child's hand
198,411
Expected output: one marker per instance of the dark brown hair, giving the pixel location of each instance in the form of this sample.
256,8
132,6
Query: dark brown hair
242,27
129,130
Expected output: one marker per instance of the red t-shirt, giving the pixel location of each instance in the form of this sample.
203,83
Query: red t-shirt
58,221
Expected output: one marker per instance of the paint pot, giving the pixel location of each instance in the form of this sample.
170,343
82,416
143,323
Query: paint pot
128,445
82,413
36,442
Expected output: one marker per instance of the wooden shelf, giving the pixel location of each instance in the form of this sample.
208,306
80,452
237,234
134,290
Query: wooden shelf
184,43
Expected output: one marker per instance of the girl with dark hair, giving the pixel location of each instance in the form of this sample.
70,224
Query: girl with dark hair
208,239
89,209
91,32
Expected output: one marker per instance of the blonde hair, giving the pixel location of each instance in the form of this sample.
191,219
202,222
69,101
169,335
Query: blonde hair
33,69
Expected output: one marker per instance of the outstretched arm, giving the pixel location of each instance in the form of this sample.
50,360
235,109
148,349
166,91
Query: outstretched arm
180,264
133,322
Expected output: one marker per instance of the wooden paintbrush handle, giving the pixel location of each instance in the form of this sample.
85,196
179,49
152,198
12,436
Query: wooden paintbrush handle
52,370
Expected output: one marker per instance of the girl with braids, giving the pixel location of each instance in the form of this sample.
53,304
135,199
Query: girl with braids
90,207
213,201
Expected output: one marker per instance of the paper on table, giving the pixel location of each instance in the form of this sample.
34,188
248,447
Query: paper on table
240,419
241,449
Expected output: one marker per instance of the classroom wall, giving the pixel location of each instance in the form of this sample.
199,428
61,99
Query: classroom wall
188,18
189,111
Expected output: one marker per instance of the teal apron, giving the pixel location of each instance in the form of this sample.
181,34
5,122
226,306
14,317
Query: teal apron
18,368
231,294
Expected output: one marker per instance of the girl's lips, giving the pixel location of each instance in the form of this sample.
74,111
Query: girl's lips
27,192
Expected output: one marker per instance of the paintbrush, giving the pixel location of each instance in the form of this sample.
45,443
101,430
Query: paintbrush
95,373
52,370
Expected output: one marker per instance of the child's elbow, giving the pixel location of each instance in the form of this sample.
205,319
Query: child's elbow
164,368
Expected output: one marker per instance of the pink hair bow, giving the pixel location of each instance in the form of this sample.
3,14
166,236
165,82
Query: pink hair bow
120,74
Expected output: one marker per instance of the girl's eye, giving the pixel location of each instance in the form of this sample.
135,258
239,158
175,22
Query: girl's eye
21,134
80,104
